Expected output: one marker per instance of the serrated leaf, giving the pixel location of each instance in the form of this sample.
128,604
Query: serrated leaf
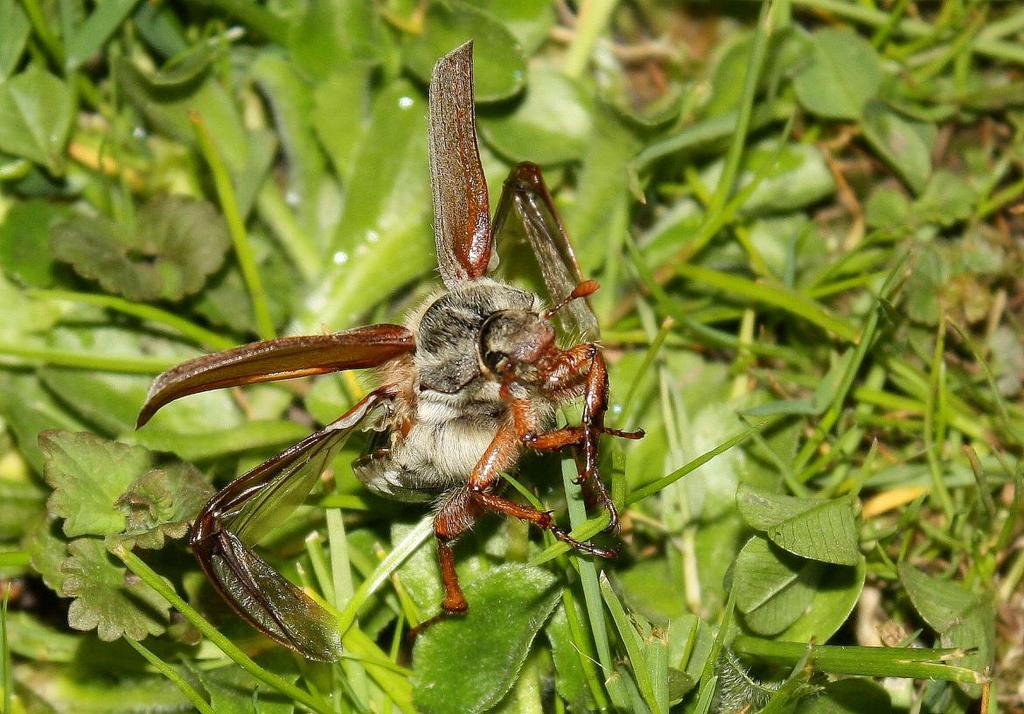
467,664
160,504
88,474
814,528
499,68
844,73
176,244
47,550
106,599
772,587
36,110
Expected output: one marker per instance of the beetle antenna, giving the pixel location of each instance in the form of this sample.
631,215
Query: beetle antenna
584,289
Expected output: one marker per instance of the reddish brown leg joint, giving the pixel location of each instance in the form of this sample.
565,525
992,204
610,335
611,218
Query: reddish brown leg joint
541,519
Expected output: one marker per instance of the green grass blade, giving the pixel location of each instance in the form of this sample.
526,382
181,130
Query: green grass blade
172,675
236,226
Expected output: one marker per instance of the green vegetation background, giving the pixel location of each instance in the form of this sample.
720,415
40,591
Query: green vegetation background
806,219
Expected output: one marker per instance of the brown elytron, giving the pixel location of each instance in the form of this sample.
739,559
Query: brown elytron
471,381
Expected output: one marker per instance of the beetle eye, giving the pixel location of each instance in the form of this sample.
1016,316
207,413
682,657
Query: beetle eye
496,361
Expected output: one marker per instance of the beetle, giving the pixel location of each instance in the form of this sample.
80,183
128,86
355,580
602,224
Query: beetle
467,384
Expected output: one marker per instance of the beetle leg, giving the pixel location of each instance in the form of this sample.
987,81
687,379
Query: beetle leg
583,364
455,517
500,455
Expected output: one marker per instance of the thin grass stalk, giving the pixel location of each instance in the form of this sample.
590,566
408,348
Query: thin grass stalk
236,226
150,577
172,675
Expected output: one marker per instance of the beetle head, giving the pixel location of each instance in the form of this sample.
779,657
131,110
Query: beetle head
513,341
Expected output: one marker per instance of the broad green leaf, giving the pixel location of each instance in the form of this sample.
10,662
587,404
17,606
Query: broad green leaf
105,600
383,239
940,602
341,104
550,124
499,68
814,528
21,504
30,637
214,442
963,618
176,244
467,664
109,401
651,586
160,504
848,696
168,111
570,678
88,474
25,242
925,284
334,34
225,299
788,50
793,177
30,409
904,144
91,34
84,688
529,21
772,587
36,111
844,73
14,33
291,101
834,598
24,317
603,188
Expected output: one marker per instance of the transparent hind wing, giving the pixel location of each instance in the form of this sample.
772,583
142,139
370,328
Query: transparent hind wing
526,201
252,505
